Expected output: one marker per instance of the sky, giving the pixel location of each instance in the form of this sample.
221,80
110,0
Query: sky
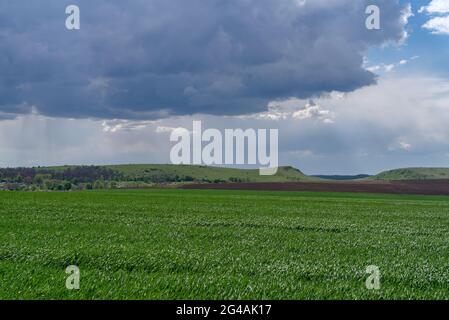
346,100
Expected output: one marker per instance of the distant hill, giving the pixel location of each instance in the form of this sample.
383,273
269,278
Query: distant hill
133,176
342,177
206,174
413,174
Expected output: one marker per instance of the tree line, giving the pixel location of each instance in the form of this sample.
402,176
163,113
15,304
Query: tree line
89,177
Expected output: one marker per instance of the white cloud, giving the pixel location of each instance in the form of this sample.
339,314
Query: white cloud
399,144
438,25
388,67
179,130
436,7
288,109
311,110
381,68
374,68
162,129
407,13
124,125
405,145
274,113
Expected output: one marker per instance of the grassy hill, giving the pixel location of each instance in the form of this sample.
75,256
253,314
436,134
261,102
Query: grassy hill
198,173
133,176
207,174
413,174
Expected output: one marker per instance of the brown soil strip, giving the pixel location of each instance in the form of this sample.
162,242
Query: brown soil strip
428,187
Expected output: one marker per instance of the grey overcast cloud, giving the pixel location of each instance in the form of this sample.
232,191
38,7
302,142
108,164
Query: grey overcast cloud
153,59
345,99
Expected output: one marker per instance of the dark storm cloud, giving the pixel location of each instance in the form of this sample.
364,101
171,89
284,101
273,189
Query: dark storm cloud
150,59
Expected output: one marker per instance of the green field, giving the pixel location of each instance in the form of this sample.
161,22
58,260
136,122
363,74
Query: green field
182,244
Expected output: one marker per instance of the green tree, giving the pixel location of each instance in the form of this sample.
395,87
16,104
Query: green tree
98,184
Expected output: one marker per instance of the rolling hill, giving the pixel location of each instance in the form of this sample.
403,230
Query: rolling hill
169,172
73,177
413,174
207,174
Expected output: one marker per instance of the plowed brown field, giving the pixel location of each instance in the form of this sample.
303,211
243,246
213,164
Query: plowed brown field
428,187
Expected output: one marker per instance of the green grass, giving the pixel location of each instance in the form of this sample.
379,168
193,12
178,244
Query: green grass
413,174
185,244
